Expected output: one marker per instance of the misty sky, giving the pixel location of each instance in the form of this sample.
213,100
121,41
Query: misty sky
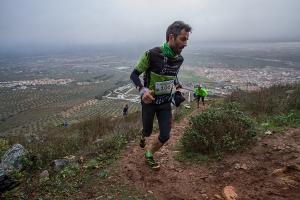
76,22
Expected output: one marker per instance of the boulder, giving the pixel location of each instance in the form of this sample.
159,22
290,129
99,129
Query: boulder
7,183
59,164
12,159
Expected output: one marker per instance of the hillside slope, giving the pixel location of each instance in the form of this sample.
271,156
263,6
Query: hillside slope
267,170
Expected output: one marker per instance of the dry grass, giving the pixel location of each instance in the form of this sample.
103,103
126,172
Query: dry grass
88,137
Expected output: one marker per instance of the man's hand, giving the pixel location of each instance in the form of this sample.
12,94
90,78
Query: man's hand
178,86
147,97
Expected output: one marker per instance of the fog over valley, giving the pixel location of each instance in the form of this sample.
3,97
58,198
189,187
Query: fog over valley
67,61
54,23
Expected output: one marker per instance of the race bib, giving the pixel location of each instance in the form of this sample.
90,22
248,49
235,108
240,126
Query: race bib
164,87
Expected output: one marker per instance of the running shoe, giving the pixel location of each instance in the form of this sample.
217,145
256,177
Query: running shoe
142,142
150,161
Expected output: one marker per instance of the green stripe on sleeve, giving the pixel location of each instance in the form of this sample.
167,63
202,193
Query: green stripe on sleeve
143,64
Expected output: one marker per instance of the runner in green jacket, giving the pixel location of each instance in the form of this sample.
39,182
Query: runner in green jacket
200,93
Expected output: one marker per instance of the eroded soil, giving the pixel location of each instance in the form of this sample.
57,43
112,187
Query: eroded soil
267,170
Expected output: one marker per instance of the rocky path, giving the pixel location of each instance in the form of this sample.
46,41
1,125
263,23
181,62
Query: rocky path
268,170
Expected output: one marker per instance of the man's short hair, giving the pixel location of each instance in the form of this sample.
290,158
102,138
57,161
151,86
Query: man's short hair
176,27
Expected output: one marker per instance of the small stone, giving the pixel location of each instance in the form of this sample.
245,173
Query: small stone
81,159
70,158
217,196
226,175
59,164
203,191
204,196
264,143
44,176
294,167
203,177
98,141
240,166
211,178
229,193
149,191
237,166
244,166
268,133
278,172
277,148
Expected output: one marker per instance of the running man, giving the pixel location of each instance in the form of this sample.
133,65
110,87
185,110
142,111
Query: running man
160,66
200,93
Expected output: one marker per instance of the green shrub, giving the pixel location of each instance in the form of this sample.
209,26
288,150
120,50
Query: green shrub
4,146
282,121
293,99
218,130
276,99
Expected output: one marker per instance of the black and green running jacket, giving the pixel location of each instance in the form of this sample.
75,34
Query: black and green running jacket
160,66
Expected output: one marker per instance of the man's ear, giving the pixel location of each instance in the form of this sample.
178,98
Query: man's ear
171,38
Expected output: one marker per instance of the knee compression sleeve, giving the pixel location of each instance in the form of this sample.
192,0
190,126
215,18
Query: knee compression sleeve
164,116
148,113
163,139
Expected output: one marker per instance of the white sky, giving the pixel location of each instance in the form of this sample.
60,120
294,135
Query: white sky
56,22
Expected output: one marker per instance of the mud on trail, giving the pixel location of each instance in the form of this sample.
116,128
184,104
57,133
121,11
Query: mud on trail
270,169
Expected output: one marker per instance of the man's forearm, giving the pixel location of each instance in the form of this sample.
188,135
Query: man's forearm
135,79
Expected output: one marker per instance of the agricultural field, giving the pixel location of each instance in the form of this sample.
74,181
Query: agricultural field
39,92
44,91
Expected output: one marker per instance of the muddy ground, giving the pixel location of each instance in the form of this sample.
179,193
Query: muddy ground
268,170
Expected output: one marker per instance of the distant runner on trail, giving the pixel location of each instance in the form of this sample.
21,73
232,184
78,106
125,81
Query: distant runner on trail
160,66
125,110
200,93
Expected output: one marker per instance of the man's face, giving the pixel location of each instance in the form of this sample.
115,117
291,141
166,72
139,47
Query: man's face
178,43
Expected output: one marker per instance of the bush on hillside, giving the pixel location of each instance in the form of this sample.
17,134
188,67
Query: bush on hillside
273,100
218,130
293,98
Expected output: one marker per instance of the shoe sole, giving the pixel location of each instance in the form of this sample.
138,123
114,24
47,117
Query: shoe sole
143,144
157,168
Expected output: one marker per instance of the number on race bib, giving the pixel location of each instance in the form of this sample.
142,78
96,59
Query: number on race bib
164,87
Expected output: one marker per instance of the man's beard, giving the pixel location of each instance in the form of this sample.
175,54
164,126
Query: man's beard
179,50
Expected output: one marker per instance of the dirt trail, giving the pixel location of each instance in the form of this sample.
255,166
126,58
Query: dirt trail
251,173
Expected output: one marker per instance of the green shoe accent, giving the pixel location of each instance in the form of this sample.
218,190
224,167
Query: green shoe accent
148,154
150,161
142,142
